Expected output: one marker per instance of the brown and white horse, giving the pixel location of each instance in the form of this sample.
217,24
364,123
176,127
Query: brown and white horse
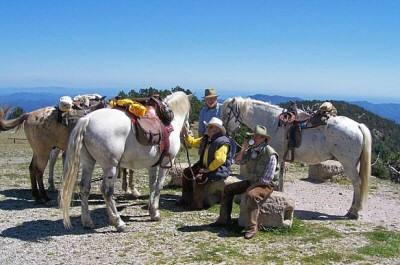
43,132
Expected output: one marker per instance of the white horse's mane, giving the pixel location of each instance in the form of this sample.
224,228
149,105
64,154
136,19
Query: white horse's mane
245,103
178,102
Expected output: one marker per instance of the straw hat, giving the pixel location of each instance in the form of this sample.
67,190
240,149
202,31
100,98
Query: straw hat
218,123
260,130
210,92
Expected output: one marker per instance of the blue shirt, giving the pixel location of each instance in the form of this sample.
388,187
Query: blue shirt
206,114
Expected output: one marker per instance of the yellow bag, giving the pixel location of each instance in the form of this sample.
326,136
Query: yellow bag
134,107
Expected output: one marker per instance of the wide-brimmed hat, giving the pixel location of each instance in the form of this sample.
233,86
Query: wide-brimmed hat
216,122
210,92
260,130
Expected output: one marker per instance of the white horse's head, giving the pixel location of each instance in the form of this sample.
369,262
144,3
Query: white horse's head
179,103
232,111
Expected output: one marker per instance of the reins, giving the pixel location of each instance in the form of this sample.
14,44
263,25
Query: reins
189,162
234,113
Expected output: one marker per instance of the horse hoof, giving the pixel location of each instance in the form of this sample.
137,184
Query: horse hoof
352,216
121,227
155,216
135,193
88,224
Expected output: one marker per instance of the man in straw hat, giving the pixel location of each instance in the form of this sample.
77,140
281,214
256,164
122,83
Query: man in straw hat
210,110
261,164
212,166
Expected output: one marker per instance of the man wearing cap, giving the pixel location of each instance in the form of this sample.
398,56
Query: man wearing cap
212,166
210,110
262,168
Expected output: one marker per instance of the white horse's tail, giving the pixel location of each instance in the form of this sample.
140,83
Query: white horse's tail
71,168
365,162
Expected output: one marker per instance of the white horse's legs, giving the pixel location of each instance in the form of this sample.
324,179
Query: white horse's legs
156,185
85,187
153,205
52,162
356,204
107,189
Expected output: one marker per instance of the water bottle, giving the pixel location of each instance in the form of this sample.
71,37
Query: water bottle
251,142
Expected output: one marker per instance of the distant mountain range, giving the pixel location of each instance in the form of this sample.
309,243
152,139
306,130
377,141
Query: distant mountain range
390,111
34,100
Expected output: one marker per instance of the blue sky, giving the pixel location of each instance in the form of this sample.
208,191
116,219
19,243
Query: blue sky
309,49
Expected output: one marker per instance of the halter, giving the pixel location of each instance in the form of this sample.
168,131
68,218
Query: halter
234,113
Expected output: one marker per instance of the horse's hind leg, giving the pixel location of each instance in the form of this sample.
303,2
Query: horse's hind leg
88,164
356,204
85,186
52,162
156,185
107,189
36,170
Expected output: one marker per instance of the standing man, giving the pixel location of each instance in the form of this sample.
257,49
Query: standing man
210,110
212,165
261,162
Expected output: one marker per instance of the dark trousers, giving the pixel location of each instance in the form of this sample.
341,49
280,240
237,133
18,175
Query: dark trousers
253,198
193,187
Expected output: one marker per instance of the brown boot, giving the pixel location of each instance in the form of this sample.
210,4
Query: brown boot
250,232
198,196
187,189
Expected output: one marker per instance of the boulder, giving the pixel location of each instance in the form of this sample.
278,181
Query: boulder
213,192
330,170
176,173
275,211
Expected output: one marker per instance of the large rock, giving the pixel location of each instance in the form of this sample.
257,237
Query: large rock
213,192
176,173
330,170
275,211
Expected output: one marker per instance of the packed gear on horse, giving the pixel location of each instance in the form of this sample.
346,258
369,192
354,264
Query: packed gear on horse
69,111
150,129
295,121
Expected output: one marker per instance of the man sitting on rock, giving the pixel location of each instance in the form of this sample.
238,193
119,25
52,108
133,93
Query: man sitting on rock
212,166
261,162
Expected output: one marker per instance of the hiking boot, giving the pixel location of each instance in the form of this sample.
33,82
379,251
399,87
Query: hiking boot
249,234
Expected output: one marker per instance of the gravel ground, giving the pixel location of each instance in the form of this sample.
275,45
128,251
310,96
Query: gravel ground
34,234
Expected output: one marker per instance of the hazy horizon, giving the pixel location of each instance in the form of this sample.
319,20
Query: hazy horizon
109,92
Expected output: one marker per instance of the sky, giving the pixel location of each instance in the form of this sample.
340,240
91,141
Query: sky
320,49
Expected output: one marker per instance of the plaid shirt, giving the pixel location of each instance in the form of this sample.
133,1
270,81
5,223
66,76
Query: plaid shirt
268,176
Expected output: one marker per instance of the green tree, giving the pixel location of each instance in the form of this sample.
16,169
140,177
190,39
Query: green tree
15,113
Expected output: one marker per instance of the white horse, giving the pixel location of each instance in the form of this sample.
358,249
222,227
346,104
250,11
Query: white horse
108,137
341,138
128,179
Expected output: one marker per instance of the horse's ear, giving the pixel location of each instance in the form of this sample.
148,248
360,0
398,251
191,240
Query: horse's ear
190,96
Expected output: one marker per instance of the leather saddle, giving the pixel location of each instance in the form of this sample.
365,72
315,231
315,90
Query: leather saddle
151,130
297,121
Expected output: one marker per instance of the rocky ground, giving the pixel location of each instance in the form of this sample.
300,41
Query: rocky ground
31,233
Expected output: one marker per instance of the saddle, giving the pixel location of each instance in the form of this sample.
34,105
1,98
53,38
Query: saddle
69,111
150,129
297,121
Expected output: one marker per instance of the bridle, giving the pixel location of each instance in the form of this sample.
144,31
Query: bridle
233,113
